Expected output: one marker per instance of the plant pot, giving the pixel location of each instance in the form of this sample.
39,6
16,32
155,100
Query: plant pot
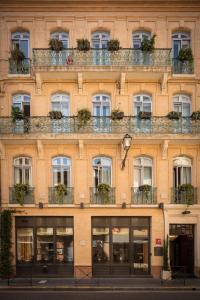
166,275
144,115
117,115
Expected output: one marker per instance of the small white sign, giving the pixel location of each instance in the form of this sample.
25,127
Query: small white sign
82,242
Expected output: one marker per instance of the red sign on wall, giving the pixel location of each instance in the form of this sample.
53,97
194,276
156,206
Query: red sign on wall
158,241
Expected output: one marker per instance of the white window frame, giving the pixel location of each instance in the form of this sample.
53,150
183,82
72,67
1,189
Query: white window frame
181,99
105,162
139,36
184,38
21,36
22,166
181,162
103,99
62,36
62,166
61,98
18,100
98,37
143,161
140,99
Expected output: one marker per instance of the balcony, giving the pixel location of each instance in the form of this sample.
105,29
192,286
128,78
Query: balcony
21,197
60,198
143,197
106,198
51,63
183,197
20,68
181,67
99,125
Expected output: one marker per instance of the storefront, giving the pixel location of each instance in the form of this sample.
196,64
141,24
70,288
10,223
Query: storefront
44,245
121,246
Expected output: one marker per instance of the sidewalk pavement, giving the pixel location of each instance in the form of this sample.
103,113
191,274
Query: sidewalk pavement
99,284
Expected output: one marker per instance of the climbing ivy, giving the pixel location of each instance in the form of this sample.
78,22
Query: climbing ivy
6,243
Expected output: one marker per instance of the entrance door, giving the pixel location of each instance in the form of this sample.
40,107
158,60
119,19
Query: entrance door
182,249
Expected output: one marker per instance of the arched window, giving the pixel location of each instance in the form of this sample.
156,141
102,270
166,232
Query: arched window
102,170
142,103
182,167
182,104
142,171
20,40
22,170
22,101
60,102
61,168
138,37
101,105
180,40
100,39
62,36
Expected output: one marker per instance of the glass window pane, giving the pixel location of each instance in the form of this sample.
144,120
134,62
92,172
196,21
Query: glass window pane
147,175
45,245
44,231
25,245
120,238
100,244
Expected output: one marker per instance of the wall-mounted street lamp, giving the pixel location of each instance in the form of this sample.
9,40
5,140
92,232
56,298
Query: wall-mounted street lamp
126,144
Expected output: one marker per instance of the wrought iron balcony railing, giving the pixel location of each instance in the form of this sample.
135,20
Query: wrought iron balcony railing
22,67
105,198
22,197
183,197
56,197
98,125
101,57
182,67
143,197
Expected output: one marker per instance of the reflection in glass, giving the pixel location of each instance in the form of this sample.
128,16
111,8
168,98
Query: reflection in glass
64,245
120,244
141,249
101,245
45,245
25,245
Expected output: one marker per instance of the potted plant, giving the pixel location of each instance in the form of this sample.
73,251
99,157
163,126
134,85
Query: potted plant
144,115
83,45
113,45
185,55
166,272
55,45
55,115
103,190
60,192
186,194
195,115
83,117
16,114
174,115
117,114
20,191
148,45
145,188
17,55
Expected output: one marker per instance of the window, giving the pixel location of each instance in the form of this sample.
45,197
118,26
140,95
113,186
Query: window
60,102
62,36
142,171
100,39
138,37
20,40
101,105
102,170
61,170
22,101
142,103
182,170
25,248
22,170
180,40
182,104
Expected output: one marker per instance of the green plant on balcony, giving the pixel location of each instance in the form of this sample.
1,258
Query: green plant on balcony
103,190
185,55
144,115
113,45
117,114
20,191
17,55
56,45
60,192
145,188
83,45
186,190
83,117
55,115
148,45
174,115
16,114
195,115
